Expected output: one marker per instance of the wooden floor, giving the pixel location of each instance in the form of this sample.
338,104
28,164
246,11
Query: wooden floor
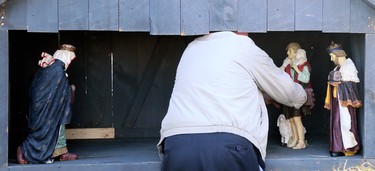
141,155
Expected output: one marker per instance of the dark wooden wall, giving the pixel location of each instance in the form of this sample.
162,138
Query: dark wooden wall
124,80
184,17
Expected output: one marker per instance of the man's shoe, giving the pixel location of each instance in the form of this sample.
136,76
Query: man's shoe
68,156
20,158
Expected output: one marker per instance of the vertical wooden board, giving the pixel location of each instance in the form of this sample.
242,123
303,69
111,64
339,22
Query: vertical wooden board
309,15
42,16
369,98
336,16
4,103
15,17
165,17
362,17
281,15
103,15
73,15
252,16
195,17
223,15
134,15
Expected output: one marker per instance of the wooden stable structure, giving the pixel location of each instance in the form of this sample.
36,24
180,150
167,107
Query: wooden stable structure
127,54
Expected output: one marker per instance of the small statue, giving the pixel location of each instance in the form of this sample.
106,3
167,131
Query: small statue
285,129
299,69
342,99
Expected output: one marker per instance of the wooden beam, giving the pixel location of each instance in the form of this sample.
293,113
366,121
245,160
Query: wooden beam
368,133
90,133
4,99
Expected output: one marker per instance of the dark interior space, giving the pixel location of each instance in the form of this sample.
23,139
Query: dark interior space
124,80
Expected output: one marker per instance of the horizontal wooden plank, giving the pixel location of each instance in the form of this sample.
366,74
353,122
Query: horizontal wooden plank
90,133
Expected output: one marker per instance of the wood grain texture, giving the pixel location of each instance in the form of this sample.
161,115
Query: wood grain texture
73,15
252,16
336,16
281,15
4,101
165,17
15,18
90,133
42,16
134,15
309,15
195,17
223,15
368,134
103,15
362,18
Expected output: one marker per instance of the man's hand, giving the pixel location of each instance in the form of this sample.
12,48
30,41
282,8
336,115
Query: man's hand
268,100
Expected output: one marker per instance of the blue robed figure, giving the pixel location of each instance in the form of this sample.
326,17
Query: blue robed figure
50,108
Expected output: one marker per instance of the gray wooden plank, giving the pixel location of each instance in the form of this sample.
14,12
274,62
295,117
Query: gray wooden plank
223,15
103,15
309,15
252,16
15,17
281,15
165,17
370,2
195,17
368,135
362,17
336,16
4,102
42,16
134,15
73,15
